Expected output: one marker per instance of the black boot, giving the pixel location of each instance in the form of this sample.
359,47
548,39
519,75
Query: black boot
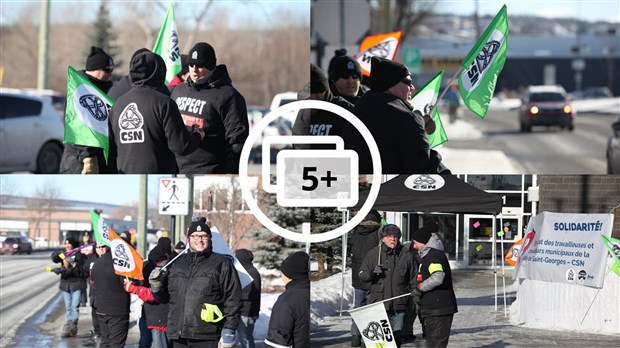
91,341
74,328
66,330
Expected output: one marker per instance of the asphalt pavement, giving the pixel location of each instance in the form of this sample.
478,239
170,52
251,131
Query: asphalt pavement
478,323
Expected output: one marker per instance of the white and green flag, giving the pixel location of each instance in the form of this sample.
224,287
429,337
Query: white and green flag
423,100
87,113
100,229
167,45
483,64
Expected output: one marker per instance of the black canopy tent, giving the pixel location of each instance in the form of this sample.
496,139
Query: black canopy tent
422,193
435,193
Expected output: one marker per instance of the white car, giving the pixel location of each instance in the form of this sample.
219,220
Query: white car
31,132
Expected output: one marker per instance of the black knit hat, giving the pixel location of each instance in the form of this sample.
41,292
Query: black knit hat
390,230
295,266
422,235
343,67
161,251
98,59
199,226
385,73
74,243
180,245
318,80
202,54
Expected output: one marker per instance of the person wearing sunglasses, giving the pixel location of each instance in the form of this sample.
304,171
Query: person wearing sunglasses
79,159
208,100
399,132
345,76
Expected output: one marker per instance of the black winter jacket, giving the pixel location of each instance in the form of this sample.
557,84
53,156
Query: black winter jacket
399,134
73,155
74,277
363,238
110,295
251,293
220,110
397,277
146,130
156,313
193,280
289,324
441,299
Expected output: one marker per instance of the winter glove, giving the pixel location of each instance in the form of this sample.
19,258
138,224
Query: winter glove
90,166
429,124
228,338
157,277
416,296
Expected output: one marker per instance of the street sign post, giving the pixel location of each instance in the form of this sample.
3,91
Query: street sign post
173,196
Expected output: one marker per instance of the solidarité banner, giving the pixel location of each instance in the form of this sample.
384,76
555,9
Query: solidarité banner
565,248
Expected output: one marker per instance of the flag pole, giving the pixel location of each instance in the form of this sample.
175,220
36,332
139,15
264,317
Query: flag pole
458,71
176,257
389,299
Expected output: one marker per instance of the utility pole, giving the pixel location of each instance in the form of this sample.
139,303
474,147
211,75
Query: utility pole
386,16
142,215
44,26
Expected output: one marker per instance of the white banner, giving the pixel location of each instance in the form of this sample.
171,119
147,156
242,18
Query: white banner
374,325
220,247
565,248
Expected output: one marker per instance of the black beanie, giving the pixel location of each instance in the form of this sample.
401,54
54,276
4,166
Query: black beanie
98,59
202,54
295,266
199,226
318,80
73,242
180,245
422,235
385,73
343,67
161,251
390,230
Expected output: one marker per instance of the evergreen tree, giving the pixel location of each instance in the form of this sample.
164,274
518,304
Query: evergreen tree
101,35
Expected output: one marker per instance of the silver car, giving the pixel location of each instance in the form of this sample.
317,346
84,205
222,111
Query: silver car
31,132
613,149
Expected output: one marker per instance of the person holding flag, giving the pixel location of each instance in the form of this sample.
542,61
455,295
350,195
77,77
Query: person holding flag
81,158
400,133
203,293
209,101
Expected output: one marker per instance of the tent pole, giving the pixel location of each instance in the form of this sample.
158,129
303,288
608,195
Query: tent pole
503,272
494,259
344,260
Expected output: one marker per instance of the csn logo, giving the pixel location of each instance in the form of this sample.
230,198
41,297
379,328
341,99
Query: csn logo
379,331
424,182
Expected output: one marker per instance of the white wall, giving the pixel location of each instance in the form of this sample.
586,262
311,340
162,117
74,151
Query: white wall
546,305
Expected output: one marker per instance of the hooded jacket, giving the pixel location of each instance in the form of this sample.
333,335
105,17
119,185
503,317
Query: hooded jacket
220,110
195,279
363,238
438,296
72,278
399,134
146,130
397,277
250,295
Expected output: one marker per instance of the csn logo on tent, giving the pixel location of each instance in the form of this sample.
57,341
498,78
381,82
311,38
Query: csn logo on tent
424,182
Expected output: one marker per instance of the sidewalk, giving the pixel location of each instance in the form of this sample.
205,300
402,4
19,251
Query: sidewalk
477,324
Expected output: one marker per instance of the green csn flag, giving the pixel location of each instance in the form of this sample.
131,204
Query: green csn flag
613,245
483,64
423,100
87,113
100,228
167,45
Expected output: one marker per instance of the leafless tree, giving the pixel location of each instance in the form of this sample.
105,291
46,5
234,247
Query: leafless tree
8,190
45,201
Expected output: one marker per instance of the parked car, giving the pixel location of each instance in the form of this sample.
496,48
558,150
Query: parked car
613,149
16,245
593,93
546,106
31,132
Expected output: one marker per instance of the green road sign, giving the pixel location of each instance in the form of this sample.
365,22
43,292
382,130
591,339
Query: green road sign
413,59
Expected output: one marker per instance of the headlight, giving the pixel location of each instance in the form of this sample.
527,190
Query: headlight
534,110
15,246
567,109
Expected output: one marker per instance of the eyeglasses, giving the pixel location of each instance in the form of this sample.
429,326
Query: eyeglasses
408,81
101,247
203,237
108,70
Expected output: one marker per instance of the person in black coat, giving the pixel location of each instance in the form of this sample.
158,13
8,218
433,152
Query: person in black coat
208,100
146,130
345,75
81,159
289,325
73,276
95,336
250,300
389,268
203,291
112,302
438,302
364,237
318,121
400,133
